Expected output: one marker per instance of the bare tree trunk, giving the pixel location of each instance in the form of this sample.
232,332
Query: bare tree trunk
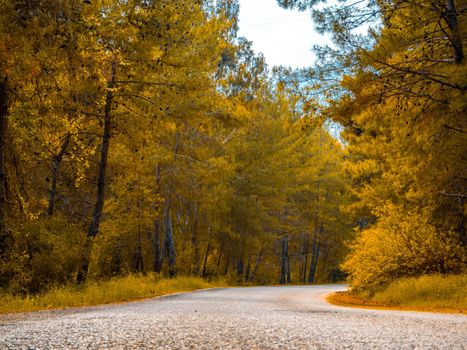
139,262
227,262
284,258
315,244
208,248
257,263
240,266
101,179
314,263
305,265
456,38
248,268
4,101
169,245
158,256
194,242
169,241
301,256
221,250
287,261
57,161
461,230
315,254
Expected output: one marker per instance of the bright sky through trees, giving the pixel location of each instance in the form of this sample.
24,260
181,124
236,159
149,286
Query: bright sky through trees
285,37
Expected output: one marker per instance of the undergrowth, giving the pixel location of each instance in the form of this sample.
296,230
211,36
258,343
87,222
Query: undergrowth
117,289
425,291
440,293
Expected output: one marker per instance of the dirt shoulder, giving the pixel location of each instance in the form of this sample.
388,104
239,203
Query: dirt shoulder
350,300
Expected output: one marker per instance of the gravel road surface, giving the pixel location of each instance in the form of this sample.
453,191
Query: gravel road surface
234,318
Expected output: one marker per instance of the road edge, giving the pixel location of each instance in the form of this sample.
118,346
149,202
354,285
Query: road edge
112,303
340,299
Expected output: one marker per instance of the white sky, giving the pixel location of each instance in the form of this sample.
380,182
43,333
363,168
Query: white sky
285,37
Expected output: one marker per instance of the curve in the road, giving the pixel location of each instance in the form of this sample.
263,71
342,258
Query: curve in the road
235,318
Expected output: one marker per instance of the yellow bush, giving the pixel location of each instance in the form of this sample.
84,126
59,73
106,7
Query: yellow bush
436,291
401,244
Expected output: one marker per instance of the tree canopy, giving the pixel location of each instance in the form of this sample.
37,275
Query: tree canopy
146,136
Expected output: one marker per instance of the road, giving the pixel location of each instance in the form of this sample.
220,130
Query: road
235,318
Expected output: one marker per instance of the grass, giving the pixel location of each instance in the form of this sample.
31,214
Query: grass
115,290
434,293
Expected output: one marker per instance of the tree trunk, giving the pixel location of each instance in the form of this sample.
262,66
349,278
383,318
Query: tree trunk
96,219
99,206
219,258
248,268
57,161
461,229
240,266
311,274
86,257
139,262
315,244
284,261
4,99
227,262
456,38
305,262
169,245
169,241
287,262
257,263
315,254
158,256
314,263
194,242
208,248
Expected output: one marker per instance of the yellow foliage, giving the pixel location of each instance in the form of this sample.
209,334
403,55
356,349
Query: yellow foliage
115,290
401,244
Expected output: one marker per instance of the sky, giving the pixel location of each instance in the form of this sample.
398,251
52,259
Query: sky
285,37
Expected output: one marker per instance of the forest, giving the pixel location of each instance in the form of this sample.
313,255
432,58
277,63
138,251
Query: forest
144,136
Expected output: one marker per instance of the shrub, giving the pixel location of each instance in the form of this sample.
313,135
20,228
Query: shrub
426,291
43,253
401,245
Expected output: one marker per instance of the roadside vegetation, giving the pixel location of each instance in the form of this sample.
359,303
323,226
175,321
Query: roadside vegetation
148,138
401,102
118,289
436,293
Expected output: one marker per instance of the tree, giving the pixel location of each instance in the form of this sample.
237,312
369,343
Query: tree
145,136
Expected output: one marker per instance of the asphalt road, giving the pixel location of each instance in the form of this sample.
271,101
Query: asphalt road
236,318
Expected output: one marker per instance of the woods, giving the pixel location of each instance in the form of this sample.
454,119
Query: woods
403,108
146,136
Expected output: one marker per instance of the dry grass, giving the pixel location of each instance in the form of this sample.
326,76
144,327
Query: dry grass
112,291
434,293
